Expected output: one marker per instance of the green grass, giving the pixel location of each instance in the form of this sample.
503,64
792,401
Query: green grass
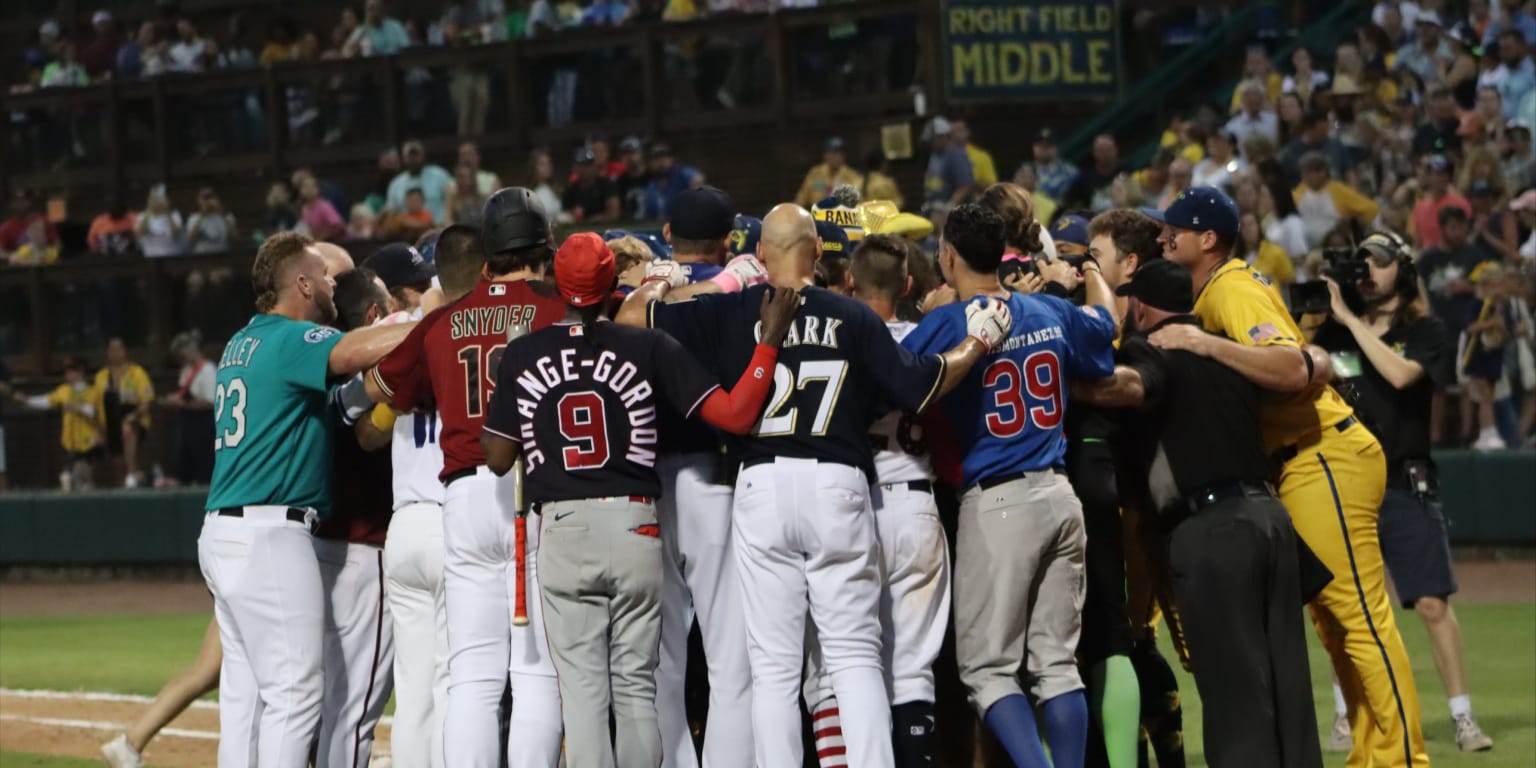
135,654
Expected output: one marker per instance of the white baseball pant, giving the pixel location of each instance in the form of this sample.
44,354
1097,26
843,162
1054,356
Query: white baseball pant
483,646
805,537
413,573
699,575
359,652
269,603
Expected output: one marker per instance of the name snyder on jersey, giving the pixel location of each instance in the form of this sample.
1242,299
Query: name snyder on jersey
546,374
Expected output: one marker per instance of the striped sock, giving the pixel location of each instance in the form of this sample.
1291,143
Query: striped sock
831,752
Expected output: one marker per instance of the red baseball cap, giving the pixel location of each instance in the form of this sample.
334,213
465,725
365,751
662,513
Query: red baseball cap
584,269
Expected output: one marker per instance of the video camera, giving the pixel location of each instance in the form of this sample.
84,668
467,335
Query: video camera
1347,267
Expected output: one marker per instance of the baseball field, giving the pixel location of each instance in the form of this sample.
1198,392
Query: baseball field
78,661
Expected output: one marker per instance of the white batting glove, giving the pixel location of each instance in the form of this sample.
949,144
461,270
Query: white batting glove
352,400
669,272
744,271
988,321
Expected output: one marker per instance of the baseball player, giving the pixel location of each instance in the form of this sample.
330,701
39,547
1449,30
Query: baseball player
802,531
413,547
914,552
349,545
578,400
1019,552
271,484
451,360
1333,474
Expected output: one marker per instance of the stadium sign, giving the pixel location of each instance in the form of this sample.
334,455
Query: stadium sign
1028,49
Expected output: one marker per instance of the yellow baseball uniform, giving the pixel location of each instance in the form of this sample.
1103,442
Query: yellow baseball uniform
1332,484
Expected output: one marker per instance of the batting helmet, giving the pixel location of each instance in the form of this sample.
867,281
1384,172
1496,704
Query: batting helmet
513,218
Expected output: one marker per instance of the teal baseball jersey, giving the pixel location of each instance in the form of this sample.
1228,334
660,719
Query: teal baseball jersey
272,418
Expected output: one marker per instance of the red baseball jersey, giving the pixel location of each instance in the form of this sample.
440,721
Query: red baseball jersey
451,358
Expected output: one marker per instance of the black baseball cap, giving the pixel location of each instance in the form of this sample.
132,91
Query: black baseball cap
400,264
706,213
630,144
1161,284
660,150
583,155
833,144
1045,136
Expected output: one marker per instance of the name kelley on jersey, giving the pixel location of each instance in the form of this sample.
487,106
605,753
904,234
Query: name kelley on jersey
547,374
239,354
807,330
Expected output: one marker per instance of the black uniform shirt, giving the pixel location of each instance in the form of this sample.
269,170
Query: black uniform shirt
584,409
1198,426
838,371
1398,417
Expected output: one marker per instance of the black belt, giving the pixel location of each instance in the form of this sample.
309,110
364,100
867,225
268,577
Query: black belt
915,486
992,482
757,462
458,474
295,514
1216,494
1288,452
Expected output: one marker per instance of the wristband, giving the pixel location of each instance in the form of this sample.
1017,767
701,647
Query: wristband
728,282
382,418
1311,366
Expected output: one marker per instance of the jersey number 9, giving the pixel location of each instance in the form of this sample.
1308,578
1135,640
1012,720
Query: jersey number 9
1008,382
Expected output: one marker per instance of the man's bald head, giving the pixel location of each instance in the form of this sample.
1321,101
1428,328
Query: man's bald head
337,260
789,246
787,226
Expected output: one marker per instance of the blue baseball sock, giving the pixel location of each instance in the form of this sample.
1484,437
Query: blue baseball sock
1013,722
1066,728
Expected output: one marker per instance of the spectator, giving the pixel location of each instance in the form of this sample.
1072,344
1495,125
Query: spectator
1315,137
486,182
1494,228
35,250
1221,163
1277,212
411,222
602,154
431,180
593,197
1483,361
186,53
1462,75
1519,166
1185,137
1255,118
378,35
983,170
1256,67
329,190
1485,122
100,55
13,231
129,63
238,53
1447,269
280,215
1153,179
541,180
1323,202
471,22
1292,114
667,180
466,203
1055,174
605,13
1266,258
1437,134
388,169
126,396
1181,176
211,229
878,184
47,47
832,172
948,181
1303,79
159,229
1043,206
1429,56
320,218
362,223
1437,193
1094,186
111,232
155,59
1514,17
194,400
632,181
66,71
1516,74
81,433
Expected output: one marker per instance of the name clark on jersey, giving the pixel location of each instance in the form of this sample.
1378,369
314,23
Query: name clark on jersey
546,374
808,330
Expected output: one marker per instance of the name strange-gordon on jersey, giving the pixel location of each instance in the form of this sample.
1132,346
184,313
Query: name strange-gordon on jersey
547,373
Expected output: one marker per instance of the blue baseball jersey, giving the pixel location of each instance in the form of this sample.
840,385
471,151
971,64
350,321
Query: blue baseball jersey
272,416
1007,416
679,434
839,370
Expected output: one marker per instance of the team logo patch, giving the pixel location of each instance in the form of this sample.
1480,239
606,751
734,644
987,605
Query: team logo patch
319,333
576,330
649,529
497,289
1263,332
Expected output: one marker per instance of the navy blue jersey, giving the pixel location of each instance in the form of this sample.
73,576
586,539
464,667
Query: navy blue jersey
585,409
679,434
1006,417
838,371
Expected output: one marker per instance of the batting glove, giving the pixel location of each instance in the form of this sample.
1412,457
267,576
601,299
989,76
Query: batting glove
988,321
744,271
352,400
669,272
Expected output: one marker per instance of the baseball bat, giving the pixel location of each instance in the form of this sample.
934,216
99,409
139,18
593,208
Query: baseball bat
519,524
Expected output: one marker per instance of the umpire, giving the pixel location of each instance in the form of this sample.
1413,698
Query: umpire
1232,552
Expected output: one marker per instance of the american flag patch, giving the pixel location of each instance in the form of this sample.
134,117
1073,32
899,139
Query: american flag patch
1263,332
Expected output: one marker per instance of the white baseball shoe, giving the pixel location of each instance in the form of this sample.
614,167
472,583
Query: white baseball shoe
1469,737
120,754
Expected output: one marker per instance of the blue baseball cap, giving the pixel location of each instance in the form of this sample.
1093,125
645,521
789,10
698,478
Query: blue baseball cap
746,231
835,243
1201,209
1070,229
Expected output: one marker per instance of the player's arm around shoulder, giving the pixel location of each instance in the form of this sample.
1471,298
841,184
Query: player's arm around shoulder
363,348
1257,337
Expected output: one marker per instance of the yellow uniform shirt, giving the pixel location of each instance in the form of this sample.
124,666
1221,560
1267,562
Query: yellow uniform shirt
82,417
820,180
134,388
983,170
1272,263
1240,304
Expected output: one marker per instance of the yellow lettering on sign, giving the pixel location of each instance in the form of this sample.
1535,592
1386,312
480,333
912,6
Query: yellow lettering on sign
1068,74
967,63
959,21
1098,62
1013,63
1105,18
1044,64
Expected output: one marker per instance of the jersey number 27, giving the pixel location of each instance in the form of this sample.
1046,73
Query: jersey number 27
1007,382
779,420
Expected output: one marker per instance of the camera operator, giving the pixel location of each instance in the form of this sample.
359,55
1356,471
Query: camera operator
1389,355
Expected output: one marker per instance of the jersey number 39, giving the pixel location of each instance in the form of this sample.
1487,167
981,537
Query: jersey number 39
1007,382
